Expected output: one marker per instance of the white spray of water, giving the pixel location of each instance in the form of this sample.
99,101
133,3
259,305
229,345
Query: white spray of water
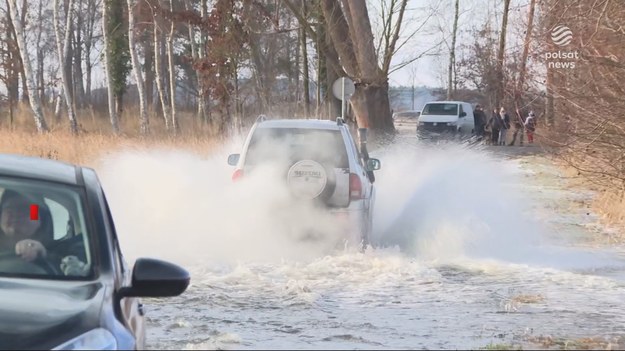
180,206
441,204
439,211
452,203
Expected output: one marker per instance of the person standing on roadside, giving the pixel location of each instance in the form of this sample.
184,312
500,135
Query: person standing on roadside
518,128
505,125
530,127
479,118
494,123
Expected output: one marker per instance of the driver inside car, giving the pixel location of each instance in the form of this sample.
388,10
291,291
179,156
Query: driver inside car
33,239
18,232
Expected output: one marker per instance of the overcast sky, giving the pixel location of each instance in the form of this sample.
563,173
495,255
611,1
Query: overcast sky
434,21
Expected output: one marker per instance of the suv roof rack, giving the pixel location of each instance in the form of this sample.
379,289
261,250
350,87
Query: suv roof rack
340,121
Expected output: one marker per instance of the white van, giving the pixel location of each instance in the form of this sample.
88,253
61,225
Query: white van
446,117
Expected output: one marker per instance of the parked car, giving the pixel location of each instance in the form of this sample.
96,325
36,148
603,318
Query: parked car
320,164
406,120
64,282
446,118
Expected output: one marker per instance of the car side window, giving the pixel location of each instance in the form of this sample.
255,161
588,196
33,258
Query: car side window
352,144
461,109
62,223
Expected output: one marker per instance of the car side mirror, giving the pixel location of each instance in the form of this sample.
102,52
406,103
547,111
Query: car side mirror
462,114
373,164
233,159
156,278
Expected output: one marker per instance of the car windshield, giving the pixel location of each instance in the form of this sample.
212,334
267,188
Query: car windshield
294,144
43,231
441,109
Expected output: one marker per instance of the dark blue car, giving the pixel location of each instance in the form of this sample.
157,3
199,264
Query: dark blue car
64,283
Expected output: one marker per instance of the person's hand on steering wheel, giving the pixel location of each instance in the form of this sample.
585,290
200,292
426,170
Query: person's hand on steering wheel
29,249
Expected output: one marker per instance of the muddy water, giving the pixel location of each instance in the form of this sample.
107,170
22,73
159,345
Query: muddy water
474,249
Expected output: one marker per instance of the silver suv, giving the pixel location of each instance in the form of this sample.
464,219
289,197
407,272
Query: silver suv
320,163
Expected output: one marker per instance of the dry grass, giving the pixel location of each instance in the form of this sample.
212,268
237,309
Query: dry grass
609,202
589,343
97,139
612,206
528,298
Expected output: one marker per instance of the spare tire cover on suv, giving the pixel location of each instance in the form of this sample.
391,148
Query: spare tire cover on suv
308,179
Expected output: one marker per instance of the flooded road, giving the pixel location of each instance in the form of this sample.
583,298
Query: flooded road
474,249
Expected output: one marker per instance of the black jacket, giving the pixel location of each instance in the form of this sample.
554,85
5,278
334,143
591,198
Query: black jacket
479,118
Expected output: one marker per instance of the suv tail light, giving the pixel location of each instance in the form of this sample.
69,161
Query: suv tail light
355,187
238,174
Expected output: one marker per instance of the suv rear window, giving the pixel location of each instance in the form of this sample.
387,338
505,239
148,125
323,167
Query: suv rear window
441,109
294,144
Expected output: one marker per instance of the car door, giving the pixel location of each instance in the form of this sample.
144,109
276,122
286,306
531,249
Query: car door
462,120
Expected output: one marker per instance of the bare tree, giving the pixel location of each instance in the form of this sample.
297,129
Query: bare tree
351,35
40,52
136,66
172,70
306,77
500,54
107,63
90,42
35,103
197,54
452,52
158,69
526,45
63,55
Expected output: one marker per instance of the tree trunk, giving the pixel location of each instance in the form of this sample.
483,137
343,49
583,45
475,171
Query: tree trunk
358,58
196,54
321,67
13,61
62,53
526,44
333,104
149,71
40,58
41,84
172,71
58,105
88,69
25,89
550,105
79,87
91,20
35,103
500,56
370,101
136,66
108,69
17,64
158,69
452,53
202,106
306,78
